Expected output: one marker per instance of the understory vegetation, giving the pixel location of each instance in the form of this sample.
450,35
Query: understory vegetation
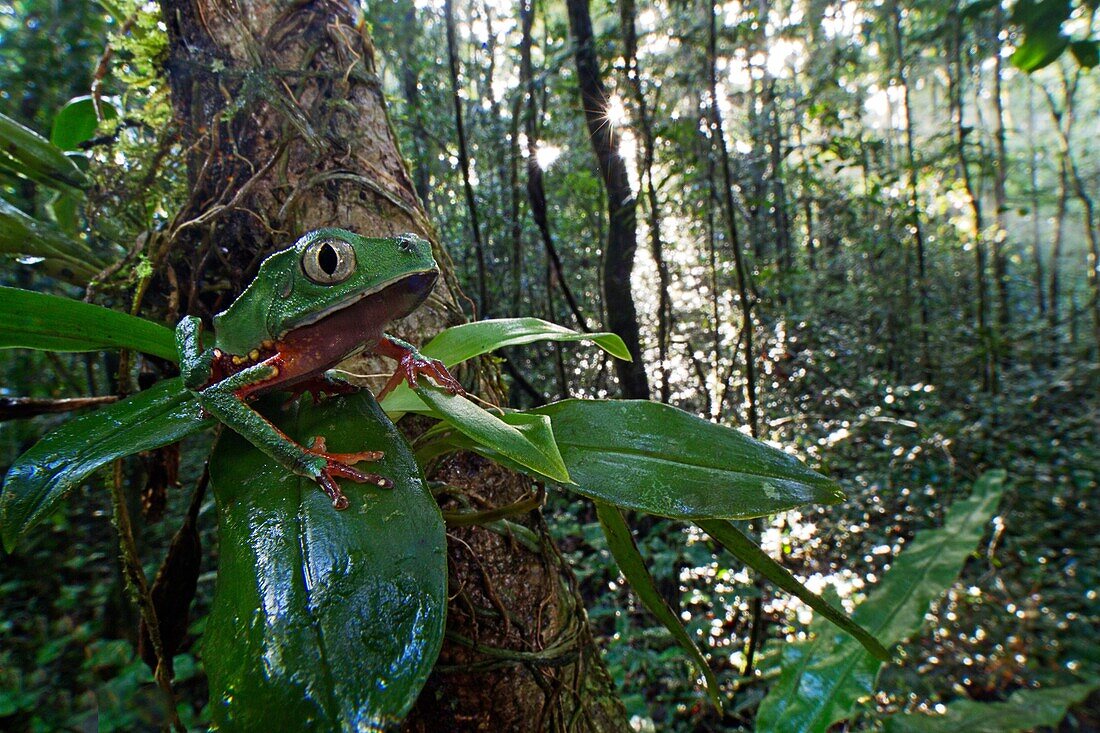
862,232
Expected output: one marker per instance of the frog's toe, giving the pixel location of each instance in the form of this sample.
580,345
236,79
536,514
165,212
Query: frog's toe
317,447
442,377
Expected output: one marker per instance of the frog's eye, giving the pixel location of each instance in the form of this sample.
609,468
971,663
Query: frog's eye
328,261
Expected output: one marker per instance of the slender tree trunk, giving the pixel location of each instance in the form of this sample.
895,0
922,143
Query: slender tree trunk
618,255
915,221
1054,314
1036,204
285,125
955,84
1064,119
464,162
410,86
653,213
719,140
536,193
516,199
1000,200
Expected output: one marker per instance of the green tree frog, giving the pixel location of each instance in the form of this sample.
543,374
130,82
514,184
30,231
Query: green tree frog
311,306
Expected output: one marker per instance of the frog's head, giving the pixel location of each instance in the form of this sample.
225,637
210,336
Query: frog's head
323,272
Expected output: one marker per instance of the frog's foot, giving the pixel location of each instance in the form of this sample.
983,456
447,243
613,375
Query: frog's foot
339,465
320,386
413,364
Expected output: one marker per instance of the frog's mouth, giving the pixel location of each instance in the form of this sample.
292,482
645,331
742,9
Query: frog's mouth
390,302
407,294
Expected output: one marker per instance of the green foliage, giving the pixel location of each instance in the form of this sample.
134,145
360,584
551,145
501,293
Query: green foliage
748,552
1024,710
822,679
323,619
1043,39
527,441
633,567
47,322
58,463
660,460
60,254
77,122
26,152
468,340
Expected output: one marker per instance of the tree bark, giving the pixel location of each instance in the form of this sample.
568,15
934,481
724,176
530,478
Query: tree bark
618,255
282,113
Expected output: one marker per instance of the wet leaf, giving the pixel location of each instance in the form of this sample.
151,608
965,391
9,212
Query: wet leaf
36,157
323,620
660,460
40,321
61,460
459,343
525,439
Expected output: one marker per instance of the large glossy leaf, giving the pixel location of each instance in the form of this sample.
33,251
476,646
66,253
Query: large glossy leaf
822,679
621,543
35,157
1024,710
459,343
525,439
748,552
660,460
61,255
40,321
42,476
323,620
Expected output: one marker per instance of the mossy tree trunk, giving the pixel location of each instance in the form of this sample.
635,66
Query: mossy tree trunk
282,117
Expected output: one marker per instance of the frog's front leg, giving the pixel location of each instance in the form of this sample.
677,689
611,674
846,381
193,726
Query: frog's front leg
411,363
225,400
196,364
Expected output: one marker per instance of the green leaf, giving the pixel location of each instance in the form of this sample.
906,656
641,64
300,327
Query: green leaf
37,157
630,562
1087,53
65,257
822,679
60,461
1025,710
76,122
525,439
748,552
657,459
323,620
40,321
459,343
1040,48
